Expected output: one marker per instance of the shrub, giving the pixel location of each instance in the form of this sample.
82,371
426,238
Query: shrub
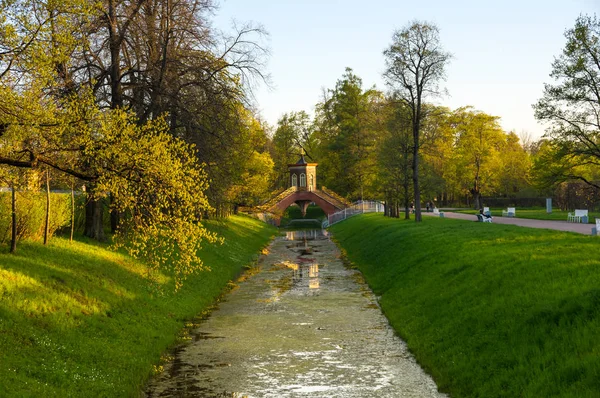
31,213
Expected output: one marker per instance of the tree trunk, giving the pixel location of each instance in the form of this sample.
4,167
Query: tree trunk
47,223
415,160
72,211
13,237
416,184
114,217
94,214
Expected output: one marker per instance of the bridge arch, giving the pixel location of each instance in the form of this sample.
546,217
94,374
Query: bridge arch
303,199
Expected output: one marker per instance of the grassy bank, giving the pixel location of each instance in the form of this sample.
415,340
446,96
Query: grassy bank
79,320
488,310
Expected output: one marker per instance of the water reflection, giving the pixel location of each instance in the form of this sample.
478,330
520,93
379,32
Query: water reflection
302,278
308,234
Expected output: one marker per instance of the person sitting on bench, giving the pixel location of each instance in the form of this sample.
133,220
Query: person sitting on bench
485,217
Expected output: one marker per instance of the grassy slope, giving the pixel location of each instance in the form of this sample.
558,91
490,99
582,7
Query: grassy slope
489,310
79,320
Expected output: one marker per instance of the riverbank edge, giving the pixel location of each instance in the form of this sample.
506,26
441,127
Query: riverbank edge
111,331
481,308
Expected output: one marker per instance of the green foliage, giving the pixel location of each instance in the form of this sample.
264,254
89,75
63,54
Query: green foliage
76,318
293,135
488,310
570,106
31,211
347,132
158,185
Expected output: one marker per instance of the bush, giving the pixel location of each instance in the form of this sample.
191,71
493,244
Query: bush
31,214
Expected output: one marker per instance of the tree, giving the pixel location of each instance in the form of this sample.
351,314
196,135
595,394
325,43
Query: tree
478,142
515,166
394,158
348,132
293,135
571,107
415,65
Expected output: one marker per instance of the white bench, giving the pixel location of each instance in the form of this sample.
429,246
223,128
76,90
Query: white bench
482,218
437,212
597,226
577,216
509,212
486,210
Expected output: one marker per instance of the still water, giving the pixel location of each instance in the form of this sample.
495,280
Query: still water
303,326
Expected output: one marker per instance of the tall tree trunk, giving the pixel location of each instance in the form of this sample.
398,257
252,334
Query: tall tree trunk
94,214
415,160
72,211
114,216
406,186
13,237
415,167
47,223
406,201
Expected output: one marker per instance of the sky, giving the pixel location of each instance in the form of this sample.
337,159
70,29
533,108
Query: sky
502,49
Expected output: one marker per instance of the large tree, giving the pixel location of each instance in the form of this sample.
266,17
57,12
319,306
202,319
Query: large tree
348,131
476,159
293,136
571,107
415,65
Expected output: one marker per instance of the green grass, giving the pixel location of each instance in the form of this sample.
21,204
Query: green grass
79,320
488,310
537,214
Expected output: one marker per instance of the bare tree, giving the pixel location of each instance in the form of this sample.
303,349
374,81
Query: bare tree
415,65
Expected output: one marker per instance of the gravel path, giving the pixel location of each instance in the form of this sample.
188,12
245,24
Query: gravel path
304,326
585,229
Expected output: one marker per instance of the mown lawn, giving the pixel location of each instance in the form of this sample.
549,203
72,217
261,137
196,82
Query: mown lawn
79,320
488,310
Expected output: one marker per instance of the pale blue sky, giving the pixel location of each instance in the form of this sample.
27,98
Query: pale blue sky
502,49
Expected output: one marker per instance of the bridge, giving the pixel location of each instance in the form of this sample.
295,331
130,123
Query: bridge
302,191
328,201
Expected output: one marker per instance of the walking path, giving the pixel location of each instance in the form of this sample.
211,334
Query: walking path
585,229
304,326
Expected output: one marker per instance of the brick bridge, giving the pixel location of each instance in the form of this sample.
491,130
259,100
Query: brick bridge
302,191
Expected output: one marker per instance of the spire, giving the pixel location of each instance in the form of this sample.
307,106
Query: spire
301,160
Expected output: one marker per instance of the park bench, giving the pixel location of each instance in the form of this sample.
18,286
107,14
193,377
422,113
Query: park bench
482,218
437,212
509,212
578,216
486,211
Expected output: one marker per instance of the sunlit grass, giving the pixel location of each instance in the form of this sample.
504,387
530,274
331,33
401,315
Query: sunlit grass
488,310
77,319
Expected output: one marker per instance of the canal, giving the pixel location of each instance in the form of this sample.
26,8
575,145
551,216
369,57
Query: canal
303,326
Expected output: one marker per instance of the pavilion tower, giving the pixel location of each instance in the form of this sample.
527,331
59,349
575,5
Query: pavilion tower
303,176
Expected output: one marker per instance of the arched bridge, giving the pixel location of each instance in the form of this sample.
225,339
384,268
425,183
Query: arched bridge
327,200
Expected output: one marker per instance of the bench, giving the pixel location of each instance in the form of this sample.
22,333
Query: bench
482,218
578,216
509,212
437,212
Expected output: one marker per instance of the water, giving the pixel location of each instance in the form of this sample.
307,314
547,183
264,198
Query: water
304,326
